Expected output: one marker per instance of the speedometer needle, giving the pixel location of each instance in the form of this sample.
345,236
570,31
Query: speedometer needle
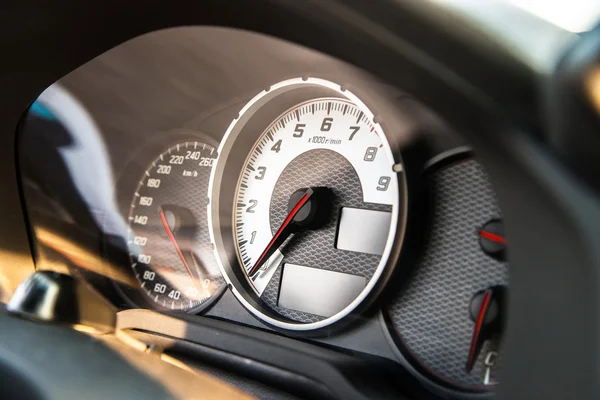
284,231
174,243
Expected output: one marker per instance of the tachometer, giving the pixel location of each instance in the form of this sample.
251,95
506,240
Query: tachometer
318,204
168,237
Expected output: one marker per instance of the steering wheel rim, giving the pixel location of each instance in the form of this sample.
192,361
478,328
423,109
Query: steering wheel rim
552,219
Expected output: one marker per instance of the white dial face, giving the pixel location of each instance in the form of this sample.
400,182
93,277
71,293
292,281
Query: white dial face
327,142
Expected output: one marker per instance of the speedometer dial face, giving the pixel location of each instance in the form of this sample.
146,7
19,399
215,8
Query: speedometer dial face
170,251
315,212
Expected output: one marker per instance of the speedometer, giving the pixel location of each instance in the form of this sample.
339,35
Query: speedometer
170,252
318,205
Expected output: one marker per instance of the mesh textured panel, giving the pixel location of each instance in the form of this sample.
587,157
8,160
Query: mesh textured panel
431,316
317,248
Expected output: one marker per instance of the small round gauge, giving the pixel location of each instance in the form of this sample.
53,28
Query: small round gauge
168,238
318,204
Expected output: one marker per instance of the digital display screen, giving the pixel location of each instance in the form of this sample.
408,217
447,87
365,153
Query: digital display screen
363,231
318,291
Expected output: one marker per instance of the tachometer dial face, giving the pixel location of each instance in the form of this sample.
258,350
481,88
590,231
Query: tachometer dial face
324,143
316,209
168,237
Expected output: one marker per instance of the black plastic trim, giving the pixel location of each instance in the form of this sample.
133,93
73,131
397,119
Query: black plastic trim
284,361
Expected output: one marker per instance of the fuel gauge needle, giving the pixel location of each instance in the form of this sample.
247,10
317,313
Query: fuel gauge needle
174,243
478,337
487,311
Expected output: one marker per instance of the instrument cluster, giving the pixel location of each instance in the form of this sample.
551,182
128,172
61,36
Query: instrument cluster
317,197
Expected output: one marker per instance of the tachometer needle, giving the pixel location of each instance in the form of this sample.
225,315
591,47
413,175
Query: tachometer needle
174,243
284,231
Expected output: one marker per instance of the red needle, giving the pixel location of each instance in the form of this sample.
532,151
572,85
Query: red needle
492,236
476,340
281,234
174,242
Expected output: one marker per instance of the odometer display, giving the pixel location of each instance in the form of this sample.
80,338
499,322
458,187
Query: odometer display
168,238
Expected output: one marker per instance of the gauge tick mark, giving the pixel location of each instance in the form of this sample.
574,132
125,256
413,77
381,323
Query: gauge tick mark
359,117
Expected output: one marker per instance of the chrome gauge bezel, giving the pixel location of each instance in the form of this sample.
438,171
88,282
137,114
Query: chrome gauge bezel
253,118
